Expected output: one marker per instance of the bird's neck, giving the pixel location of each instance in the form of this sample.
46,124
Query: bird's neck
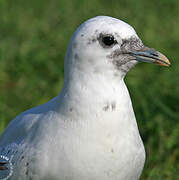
98,106
95,93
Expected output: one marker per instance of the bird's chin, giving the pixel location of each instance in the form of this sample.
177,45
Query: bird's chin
123,62
123,69
128,66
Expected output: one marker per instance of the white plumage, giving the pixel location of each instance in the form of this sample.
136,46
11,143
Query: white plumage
89,131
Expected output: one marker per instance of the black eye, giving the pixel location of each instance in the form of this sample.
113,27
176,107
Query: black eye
108,40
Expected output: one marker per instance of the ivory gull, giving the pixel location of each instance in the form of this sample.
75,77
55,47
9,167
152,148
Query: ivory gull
89,131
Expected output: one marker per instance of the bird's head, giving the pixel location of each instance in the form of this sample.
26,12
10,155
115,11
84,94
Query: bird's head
106,45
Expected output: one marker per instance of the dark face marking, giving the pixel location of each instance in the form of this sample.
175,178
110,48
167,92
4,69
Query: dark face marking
131,44
116,34
123,60
94,38
91,40
122,56
127,46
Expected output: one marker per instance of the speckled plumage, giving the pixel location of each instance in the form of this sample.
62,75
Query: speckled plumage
89,131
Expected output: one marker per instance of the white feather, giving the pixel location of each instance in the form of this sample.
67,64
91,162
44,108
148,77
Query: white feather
89,131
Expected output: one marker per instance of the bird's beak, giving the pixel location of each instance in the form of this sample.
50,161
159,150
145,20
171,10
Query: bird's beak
150,55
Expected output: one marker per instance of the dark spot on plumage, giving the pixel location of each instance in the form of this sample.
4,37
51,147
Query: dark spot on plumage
82,35
76,56
91,40
106,107
116,34
71,109
112,150
109,106
113,106
8,151
22,157
27,172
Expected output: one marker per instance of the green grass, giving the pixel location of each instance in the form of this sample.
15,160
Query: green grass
33,39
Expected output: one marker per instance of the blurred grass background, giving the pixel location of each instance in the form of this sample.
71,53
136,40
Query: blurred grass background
33,40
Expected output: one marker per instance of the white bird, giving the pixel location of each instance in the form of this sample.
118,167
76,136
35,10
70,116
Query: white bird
89,131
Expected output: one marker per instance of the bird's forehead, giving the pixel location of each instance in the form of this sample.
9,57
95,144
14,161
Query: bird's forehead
103,24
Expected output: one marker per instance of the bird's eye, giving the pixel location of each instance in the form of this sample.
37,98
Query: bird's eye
108,40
